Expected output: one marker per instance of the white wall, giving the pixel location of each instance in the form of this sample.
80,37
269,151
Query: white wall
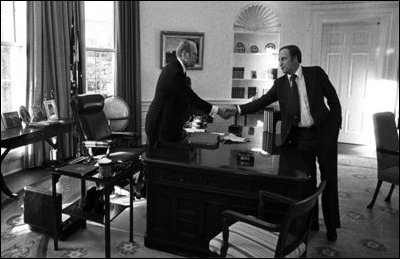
216,20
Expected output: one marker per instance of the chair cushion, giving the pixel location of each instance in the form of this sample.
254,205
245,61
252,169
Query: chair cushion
390,175
249,241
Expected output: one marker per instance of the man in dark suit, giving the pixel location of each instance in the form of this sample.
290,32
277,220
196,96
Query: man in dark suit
168,110
308,124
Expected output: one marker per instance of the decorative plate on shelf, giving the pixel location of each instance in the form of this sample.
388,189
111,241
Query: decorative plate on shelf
254,49
270,46
240,47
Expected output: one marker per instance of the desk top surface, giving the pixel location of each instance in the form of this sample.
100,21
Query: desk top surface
288,163
28,134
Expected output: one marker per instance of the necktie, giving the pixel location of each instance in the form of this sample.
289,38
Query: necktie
294,104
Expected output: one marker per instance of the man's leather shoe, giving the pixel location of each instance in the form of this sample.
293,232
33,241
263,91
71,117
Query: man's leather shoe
331,234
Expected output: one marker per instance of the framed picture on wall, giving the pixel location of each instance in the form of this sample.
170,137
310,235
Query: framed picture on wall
170,40
51,109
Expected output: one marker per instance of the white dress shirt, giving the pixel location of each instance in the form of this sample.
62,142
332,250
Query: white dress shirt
306,119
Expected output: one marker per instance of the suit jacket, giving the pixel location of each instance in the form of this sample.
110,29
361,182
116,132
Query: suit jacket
166,115
327,120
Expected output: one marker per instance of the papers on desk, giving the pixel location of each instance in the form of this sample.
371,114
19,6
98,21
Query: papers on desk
233,138
193,130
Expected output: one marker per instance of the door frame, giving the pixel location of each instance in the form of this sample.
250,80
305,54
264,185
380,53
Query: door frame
387,13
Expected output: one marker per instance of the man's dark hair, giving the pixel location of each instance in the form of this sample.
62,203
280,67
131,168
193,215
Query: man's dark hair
294,51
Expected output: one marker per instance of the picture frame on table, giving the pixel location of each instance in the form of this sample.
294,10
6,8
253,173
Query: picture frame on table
169,41
51,110
11,120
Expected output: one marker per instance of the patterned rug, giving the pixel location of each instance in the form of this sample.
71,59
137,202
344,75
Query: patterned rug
364,233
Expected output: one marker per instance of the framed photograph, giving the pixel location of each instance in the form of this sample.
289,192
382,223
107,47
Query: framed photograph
51,109
169,42
11,120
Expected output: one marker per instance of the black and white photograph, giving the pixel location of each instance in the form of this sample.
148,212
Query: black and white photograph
51,109
222,129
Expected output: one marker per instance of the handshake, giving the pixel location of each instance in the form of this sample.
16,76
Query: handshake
227,112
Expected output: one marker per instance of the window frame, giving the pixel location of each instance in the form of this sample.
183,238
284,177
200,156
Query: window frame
104,50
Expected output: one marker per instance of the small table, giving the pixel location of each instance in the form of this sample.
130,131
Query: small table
17,137
111,210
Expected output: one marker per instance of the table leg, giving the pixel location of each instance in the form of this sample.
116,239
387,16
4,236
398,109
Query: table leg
54,180
107,219
131,198
3,185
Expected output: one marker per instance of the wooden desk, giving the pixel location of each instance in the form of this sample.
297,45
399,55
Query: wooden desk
17,137
185,199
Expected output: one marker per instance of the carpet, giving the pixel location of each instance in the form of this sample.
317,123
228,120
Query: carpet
364,233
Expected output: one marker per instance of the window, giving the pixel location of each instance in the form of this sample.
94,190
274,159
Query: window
100,47
13,55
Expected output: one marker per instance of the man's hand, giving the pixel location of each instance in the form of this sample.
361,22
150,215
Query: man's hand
227,112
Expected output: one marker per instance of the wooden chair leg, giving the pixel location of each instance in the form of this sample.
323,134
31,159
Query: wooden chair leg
378,186
390,193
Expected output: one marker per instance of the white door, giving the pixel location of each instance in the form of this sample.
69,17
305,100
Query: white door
352,55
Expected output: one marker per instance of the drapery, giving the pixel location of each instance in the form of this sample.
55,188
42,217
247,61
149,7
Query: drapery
49,63
128,61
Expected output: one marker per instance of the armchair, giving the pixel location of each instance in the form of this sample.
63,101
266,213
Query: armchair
387,152
254,237
95,134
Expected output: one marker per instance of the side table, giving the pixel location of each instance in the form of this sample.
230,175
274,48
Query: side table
111,210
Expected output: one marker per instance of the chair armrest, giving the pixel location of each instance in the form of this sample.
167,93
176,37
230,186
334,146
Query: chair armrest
387,151
124,134
97,144
270,196
229,216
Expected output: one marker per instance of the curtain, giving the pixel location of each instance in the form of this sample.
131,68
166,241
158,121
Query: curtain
128,61
49,64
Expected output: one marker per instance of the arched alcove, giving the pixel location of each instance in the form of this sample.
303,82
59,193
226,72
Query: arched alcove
255,49
257,17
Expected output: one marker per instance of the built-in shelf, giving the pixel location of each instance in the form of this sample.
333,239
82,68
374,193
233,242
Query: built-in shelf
253,72
257,54
249,79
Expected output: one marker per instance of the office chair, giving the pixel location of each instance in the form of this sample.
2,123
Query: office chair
387,152
96,136
254,237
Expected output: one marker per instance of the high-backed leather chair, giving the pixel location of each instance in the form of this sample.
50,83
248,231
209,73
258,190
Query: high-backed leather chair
387,152
95,134
250,237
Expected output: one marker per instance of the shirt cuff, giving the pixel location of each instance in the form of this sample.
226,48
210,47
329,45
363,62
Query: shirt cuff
238,110
214,111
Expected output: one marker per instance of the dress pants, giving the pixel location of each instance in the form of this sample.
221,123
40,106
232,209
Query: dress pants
325,150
